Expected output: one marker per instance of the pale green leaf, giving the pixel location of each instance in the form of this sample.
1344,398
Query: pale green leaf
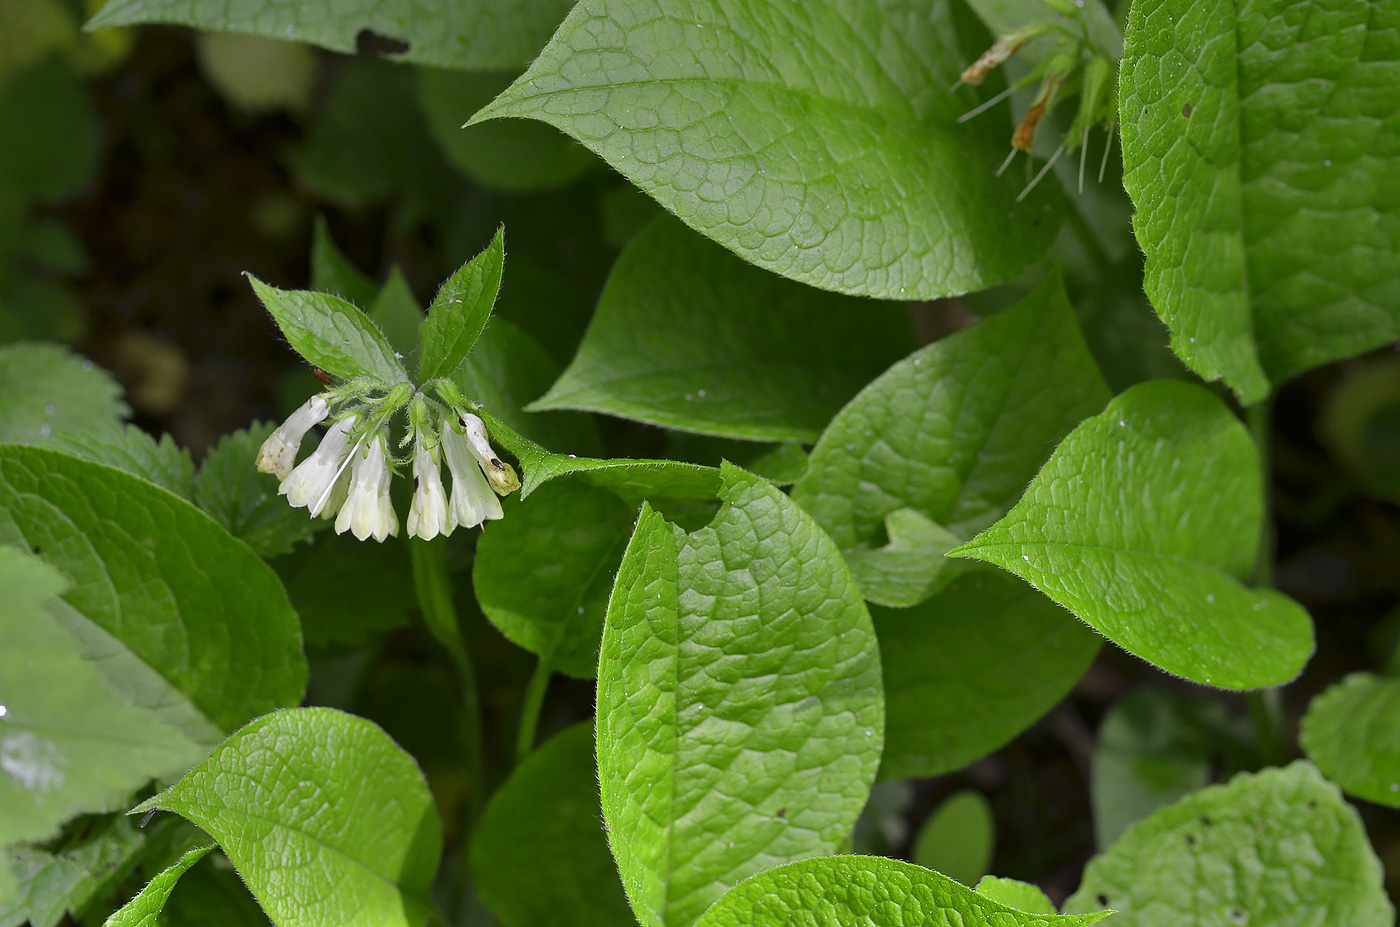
538,855
330,333
740,712
132,449
911,567
542,575
953,432
867,891
958,838
145,909
971,668
1352,733
245,502
325,818
688,336
460,310
471,34
47,390
1142,523
67,880
1280,848
1261,146
818,140
1015,894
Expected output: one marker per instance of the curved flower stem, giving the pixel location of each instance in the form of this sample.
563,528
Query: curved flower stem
1266,705
531,707
434,589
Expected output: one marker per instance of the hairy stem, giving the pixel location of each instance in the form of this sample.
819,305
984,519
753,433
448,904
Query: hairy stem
532,706
1266,705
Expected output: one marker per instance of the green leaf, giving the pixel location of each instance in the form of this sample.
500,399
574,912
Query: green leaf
145,909
245,502
1142,523
1015,894
1350,732
510,156
70,743
814,145
52,140
1260,146
46,390
397,314
538,855
1277,848
740,711
1153,749
459,311
332,271
177,616
325,818
543,574
132,449
866,891
326,582
212,895
663,482
971,668
953,432
68,880
688,336
958,838
331,334
470,34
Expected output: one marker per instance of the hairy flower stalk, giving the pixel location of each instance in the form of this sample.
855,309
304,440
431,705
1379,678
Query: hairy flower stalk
278,454
367,511
427,515
312,483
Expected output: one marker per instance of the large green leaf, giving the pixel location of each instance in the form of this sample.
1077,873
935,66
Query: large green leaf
132,449
971,668
543,574
326,819
538,854
1276,849
177,616
460,310
330,333
145,909
867,891
1142,523
688,336
740,711
47,390
953,432
1261,146
818,140
1352,733
69,742
471,34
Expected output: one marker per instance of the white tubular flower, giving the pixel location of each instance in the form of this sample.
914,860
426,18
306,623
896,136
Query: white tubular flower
427,516
278,454
312,483
472,499
336,498
367,511
498,473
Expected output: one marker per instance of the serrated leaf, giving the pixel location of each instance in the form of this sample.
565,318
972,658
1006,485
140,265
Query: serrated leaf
245,502
538,855
957,840
330,333
396,312
69,879
325,818
134,450
145,909
178,617
470,34
953,432
688,336
740,712
543,574
807,141
46,390
1142,523
1352,733
69,742
970,669
332,271
1015,894
1279,848
1261,147
867,891
459,311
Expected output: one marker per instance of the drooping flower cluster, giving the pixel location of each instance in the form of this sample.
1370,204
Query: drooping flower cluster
348,476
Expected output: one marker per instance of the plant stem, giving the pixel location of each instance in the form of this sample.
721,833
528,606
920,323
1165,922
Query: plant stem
1266,705
434,589
532,706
